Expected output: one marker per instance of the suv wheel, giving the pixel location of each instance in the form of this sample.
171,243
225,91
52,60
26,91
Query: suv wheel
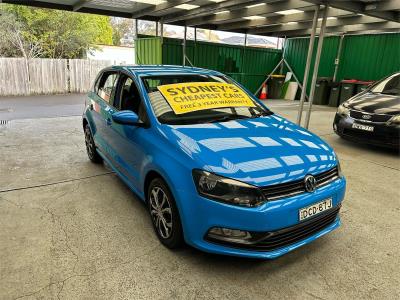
164,214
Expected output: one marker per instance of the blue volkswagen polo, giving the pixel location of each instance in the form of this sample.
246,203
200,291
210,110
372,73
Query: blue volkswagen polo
215,167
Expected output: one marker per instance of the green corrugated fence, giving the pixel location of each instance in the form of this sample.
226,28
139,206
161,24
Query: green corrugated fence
370,57
363,57
248,65
148,51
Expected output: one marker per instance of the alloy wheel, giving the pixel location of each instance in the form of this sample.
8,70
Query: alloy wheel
161,212
90,148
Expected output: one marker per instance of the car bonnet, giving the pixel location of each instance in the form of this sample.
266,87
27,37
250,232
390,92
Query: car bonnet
263,151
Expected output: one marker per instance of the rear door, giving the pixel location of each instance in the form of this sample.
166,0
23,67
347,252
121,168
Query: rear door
102,110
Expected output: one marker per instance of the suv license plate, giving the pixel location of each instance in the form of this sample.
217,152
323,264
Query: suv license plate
363,127
315,209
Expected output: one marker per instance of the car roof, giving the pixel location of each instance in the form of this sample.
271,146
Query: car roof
153,70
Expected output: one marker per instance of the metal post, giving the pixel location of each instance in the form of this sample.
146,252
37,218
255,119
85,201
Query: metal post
308,63
195,46
156,28
184,46
316,65
337,60
243,57
137,59
162,31
283,55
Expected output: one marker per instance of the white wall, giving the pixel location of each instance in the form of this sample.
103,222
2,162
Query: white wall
121,55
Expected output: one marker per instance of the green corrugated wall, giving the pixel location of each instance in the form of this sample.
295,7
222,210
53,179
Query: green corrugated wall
363,57
370,57
296,55
247,65
148,51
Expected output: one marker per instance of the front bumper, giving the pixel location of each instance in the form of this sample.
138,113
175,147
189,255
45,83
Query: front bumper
200,214
383,135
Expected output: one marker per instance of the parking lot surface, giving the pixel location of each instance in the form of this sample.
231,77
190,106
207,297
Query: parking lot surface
73,230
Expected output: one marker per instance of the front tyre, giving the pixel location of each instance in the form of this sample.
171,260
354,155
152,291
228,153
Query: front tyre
91,147
164,214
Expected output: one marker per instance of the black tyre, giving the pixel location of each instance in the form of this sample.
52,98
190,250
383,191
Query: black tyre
164,214
91,147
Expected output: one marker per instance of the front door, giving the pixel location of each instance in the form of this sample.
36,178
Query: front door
127,139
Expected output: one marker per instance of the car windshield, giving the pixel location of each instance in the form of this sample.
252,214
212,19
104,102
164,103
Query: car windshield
388,86
206,87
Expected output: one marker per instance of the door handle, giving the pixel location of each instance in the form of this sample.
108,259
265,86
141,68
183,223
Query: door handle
91,106
109,121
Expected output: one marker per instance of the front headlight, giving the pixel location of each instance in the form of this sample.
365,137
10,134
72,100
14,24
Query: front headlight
342,110
226,190
395,120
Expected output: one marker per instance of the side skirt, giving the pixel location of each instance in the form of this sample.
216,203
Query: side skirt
122,176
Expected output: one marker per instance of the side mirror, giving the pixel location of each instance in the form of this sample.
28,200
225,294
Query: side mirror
126,117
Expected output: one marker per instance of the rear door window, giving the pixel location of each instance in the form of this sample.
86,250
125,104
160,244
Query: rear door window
107,86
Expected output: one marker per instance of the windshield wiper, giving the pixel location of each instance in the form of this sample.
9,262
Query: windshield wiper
228,118
236,117
261,114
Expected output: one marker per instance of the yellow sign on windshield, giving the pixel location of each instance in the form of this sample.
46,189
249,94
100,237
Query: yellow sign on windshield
193,96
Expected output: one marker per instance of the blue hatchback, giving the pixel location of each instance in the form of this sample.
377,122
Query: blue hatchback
216,168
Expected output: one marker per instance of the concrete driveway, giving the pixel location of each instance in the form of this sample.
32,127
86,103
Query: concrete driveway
72,230
41,106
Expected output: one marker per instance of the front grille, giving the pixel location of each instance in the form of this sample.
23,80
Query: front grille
294,234
283,190
272,240
379,118
390,137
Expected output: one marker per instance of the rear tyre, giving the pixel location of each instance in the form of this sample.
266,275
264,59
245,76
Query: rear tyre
91,147
164,214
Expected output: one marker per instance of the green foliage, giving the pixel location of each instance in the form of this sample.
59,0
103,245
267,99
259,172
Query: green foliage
61,34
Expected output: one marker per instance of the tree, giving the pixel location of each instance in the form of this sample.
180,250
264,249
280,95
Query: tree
14,42
146,27
60,34
122,29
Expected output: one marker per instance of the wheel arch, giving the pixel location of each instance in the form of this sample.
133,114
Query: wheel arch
84,122
151,174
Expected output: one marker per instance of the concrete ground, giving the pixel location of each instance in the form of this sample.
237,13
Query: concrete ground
72,230
41,106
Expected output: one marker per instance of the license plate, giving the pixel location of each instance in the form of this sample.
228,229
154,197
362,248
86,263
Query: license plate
363,127
315,209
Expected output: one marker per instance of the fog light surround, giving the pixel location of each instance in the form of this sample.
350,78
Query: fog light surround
229,235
